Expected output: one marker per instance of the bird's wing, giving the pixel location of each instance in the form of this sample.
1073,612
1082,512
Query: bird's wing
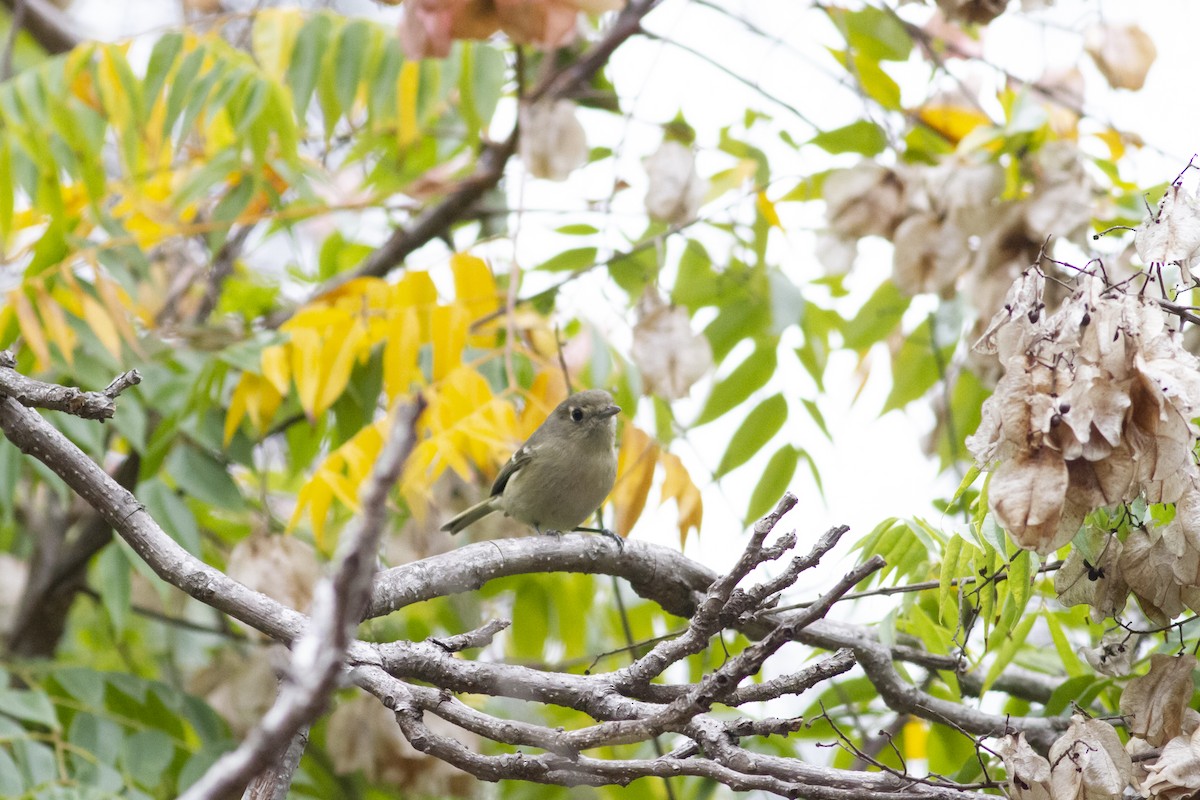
519,459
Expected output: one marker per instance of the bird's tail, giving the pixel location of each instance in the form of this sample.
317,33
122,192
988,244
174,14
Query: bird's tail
471,515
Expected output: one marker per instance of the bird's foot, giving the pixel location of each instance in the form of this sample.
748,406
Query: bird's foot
605,532
550,532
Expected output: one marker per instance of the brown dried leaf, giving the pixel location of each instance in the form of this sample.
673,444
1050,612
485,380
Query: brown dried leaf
670,356
1098,585
553,142
675,190
1122,53
281,567
1172,233
363,735
1028,771
1114,656
1175,774
1026,493
865,200
1154,703
1088,762
928,254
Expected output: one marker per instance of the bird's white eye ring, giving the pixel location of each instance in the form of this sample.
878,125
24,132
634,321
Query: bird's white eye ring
577,414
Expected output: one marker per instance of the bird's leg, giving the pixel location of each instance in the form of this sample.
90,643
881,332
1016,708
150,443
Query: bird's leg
548,532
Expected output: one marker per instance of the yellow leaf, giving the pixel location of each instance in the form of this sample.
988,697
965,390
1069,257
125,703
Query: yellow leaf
339,352
306,367
464,424
275,367
450,325
1115,142
31,328
678,486
401,350
952,122
56,325
112,92
546,392
416,289
273,39
262,402
237,408
408,83
767,209
101,323
635,472
474,285
340,476
117,302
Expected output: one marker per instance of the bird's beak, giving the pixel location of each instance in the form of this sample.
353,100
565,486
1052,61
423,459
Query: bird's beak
610,411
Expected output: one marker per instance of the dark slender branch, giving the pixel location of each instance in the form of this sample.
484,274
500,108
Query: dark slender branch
480,637
52,29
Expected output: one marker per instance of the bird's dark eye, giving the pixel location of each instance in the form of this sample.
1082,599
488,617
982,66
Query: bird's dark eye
577,414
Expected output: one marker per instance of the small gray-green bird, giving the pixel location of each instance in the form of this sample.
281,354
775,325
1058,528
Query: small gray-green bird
562,474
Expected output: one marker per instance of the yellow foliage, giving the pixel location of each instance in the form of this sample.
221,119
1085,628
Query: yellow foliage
57,328
31,328
635,472
952,122
254,396
678,486
339,475
450,324
464,423
767,209
273,38
408,83
400,350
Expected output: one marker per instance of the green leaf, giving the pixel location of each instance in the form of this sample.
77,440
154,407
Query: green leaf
776,478
748,377
353,46
28,705
633,271
530,613
162,58
696,284
203,477
815,413
1080,690
179,92
878,317
863,137
916,367
875,32
116,591
169,510
1008,650
99,736
146,755
36,762
570,260
307,56
947,593
759,427
11,783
